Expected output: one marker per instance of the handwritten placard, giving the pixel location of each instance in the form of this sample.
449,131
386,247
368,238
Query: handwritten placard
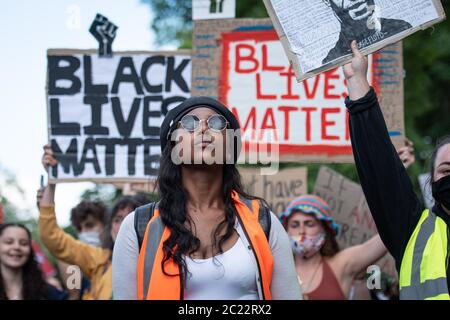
350,211
278,190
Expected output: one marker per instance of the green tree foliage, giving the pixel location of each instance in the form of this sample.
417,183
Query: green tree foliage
427,82
109,194
9,186
102,192
427,94
172,21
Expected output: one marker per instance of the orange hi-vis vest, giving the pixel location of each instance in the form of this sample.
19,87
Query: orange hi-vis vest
153,284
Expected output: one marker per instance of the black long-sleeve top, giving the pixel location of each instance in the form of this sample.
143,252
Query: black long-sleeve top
395,207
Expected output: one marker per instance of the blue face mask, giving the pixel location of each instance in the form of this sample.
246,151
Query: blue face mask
91,238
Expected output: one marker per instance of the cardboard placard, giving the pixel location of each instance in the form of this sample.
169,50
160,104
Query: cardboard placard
241,62
278,190
104,114
350,211
316,34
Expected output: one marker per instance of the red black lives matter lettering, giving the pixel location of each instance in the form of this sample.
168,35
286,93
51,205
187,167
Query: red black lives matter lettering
258,84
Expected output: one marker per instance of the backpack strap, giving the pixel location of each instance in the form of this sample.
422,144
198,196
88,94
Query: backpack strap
264,219
142,216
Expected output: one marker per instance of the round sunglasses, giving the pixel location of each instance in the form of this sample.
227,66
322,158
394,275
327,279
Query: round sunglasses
216,122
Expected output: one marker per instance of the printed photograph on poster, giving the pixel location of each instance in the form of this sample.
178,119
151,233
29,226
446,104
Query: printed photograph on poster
318,33
104,115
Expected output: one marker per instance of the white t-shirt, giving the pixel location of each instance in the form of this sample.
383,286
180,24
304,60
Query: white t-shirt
284,285
227,276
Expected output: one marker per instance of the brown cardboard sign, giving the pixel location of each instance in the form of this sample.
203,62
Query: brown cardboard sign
278,190
350,211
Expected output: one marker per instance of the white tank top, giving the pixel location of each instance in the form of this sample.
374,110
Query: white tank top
227,276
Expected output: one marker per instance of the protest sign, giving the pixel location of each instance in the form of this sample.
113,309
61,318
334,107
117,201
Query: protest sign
278,190
241,62
104,114
350,211
316,34
213,9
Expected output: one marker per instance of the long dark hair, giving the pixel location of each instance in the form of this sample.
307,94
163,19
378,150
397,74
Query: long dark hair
34,286
123,202
331,246
172,208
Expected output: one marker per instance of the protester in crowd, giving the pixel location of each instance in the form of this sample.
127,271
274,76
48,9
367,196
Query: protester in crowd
207,238
389,284
324,272
88,219
47,269
94,261
20,275
417,237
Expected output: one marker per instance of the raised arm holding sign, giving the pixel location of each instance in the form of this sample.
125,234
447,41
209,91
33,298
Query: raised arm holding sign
417,237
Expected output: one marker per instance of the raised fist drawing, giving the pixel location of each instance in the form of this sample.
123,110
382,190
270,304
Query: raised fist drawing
104,31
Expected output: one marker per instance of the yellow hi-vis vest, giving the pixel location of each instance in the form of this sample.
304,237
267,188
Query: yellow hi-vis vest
424,265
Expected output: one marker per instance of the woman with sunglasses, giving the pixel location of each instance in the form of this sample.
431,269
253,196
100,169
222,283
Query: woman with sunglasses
206,238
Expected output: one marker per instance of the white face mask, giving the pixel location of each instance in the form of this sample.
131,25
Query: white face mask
306,247
91,238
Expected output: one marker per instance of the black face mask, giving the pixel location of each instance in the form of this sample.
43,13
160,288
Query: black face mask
441,191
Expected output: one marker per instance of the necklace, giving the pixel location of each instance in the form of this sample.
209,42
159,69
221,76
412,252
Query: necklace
308,284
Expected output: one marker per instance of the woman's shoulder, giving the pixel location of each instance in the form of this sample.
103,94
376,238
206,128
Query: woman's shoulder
128,222
277,232
275,222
